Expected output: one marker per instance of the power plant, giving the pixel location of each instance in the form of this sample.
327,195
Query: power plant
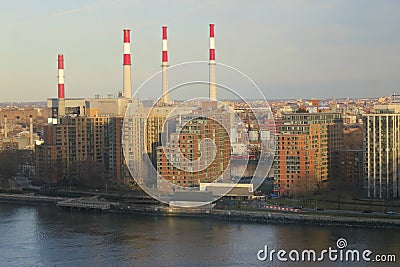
97,106
116,106
122,138
96,129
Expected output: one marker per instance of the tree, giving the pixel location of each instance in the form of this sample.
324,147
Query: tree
8,163
353,139
91,173
10,160
304,187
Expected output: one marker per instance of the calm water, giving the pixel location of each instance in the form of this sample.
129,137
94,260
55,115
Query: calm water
47,236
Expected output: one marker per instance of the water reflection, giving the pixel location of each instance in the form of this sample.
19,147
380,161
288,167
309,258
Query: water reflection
44,236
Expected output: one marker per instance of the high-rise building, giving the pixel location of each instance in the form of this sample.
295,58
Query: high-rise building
382,151
306,144
198,149
143,128
78,144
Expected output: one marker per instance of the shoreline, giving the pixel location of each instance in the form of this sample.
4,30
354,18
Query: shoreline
258,216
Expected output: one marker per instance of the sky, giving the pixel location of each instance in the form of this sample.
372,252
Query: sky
290,48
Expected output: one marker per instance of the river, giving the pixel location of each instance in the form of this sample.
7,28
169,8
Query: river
48,236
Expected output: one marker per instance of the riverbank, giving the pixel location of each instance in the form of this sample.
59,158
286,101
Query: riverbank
257,216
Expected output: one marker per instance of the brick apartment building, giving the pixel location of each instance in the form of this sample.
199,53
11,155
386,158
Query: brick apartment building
188,159
306,147
75,142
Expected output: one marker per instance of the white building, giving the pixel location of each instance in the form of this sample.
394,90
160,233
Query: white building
382,151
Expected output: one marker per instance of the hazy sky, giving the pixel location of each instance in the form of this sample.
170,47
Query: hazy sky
298,48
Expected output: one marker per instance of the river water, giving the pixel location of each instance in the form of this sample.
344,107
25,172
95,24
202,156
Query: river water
48,236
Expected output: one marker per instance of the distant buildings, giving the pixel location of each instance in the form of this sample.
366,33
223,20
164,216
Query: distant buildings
382,151
21,127
306,147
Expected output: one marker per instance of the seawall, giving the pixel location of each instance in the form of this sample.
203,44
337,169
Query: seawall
271,217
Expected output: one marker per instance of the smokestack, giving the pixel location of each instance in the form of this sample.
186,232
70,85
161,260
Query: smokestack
127,65
164,65
31,132
5,127
212,80
61,92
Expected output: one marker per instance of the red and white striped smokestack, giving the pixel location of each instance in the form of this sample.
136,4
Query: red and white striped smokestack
127,64
164,45
164,65
61,92
212,79
212,43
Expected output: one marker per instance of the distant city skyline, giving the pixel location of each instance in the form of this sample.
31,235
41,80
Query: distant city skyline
291,49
